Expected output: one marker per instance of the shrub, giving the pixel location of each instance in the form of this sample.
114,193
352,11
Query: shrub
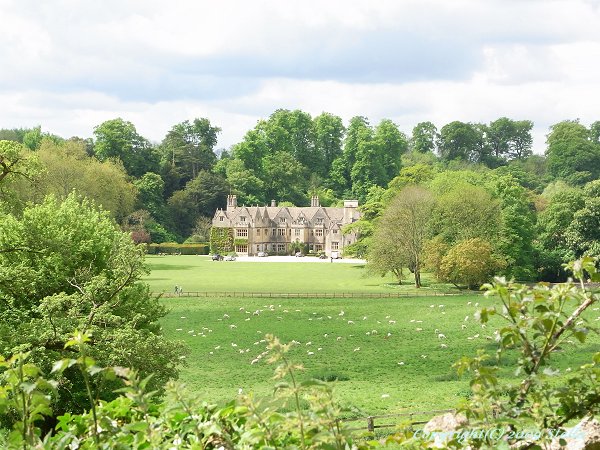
172,248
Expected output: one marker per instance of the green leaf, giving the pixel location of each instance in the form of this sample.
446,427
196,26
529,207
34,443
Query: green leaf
61,365
581,334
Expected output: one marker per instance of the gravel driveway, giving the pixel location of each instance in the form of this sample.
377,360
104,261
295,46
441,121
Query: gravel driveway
305,259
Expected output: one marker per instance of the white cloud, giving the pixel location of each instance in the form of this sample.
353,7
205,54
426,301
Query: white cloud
69,64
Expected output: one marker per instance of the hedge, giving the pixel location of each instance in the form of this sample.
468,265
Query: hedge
172,248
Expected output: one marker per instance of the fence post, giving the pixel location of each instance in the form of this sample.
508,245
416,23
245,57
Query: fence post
370,424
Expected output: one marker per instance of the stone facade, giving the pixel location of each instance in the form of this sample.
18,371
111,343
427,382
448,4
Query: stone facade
273,229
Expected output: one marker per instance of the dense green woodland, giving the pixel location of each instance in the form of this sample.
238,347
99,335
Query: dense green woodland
77,322
484,187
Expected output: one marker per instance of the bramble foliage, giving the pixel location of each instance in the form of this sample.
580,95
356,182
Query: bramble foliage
136,419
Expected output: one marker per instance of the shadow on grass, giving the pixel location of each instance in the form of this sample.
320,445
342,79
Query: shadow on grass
167,267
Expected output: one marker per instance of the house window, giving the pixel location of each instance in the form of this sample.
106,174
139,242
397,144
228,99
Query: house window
281,247
274,232
258,231
297,232
318,247
319,232
320,221
334,245
282,220
281,231
221,219
335,231
241,249
242,232
242,218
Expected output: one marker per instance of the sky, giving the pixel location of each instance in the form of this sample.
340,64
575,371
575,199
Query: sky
69,65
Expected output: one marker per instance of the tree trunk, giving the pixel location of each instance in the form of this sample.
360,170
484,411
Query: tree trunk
417,278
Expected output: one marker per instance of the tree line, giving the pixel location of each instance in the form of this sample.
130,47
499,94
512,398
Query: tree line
168,191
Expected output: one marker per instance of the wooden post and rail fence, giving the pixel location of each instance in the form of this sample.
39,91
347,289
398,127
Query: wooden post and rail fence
413,418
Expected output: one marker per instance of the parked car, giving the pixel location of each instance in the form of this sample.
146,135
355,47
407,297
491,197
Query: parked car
336,255
262,254
230,258
299,254
217,257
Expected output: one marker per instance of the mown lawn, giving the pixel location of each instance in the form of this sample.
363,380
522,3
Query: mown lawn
200,273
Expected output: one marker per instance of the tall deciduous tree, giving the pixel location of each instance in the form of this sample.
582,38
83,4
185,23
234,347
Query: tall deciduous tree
358,131
457,140
391,144
329,134
16,161
517,231
249,188
253,148
119,139
151,189
189,147
406,222
552,248
522,140
583,233
285,178
466,212
424,137
200,198
67,168
295,133
571,153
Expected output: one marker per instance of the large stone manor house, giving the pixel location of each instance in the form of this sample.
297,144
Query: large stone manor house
273,229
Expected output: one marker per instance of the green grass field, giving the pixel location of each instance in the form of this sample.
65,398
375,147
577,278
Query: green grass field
385,353
200,273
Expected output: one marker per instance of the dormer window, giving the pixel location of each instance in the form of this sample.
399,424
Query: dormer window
242,218
320,221
282,220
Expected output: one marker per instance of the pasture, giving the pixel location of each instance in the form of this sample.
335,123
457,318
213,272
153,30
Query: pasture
384,355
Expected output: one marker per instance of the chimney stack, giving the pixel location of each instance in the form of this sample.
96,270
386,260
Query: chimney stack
314,201
231,202
273,203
